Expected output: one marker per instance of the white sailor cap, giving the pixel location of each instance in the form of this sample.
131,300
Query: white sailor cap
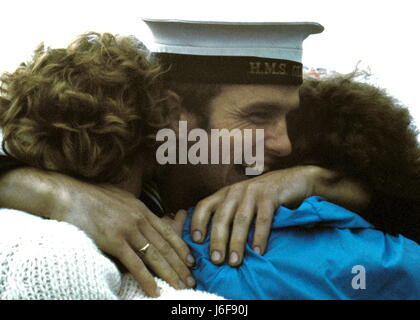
231,52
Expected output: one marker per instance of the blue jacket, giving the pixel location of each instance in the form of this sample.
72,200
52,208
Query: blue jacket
317,251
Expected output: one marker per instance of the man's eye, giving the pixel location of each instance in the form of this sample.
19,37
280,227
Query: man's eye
262,115
258,117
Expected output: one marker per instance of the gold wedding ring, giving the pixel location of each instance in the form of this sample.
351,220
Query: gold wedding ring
143,250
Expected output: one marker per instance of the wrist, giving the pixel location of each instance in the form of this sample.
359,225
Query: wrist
321,179
27,189
340,189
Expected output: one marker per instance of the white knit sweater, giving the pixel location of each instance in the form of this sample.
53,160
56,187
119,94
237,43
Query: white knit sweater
46,259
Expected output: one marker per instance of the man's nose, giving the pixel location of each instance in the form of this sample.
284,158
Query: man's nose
277,140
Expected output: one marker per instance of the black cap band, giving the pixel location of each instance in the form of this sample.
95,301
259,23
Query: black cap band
229,69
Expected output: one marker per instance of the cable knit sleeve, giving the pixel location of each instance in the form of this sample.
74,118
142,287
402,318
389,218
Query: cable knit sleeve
46,259
50,260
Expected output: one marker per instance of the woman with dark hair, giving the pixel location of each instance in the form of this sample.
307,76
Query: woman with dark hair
316,249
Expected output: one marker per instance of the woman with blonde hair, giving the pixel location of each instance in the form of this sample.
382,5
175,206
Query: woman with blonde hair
91,111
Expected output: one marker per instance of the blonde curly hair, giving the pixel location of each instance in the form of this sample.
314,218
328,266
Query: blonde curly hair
87,110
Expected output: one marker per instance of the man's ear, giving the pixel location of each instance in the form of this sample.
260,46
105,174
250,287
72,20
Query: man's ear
174,107
177,112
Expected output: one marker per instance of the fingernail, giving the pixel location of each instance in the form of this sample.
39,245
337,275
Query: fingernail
233,257
196,235
182,284
215,256
257,250
190,259
191,282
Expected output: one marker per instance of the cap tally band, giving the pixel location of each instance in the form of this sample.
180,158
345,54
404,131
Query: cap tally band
229,69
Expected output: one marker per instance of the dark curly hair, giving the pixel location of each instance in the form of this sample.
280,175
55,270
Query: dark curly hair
86,110
361,131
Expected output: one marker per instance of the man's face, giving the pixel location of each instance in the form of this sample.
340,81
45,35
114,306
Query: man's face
247,107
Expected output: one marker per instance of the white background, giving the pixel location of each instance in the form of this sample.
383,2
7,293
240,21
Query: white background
383,35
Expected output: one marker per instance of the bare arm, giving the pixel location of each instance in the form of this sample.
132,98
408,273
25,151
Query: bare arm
18,191
237,205
118,222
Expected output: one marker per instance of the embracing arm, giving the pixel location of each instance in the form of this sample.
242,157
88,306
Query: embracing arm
234,207
119,223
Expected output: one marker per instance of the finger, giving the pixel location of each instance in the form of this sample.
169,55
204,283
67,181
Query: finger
263,222
202,214
176,221
221,225
164,240
176,242
157,263
179,221
178,225
139,271
241,225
